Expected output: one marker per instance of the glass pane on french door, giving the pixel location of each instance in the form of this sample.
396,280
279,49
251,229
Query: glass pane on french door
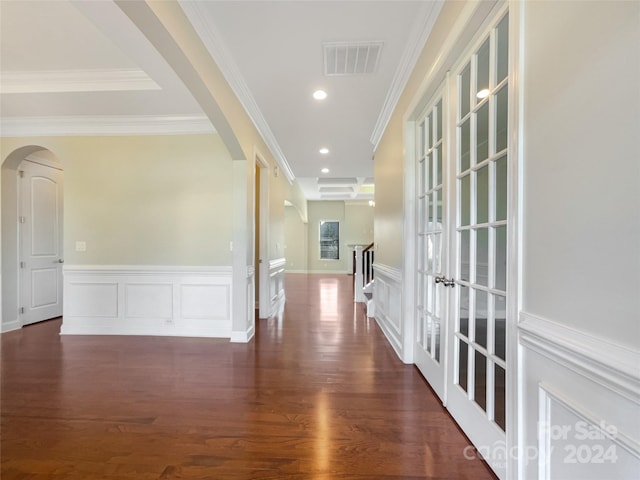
430,241
476,391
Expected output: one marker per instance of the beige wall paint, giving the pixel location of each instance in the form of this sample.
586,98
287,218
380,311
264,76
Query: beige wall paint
278,190
324,210
302,238
296,197
296,240
150,200
358,223
389,155
581,166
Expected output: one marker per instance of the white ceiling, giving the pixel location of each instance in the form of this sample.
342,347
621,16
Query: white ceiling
84,63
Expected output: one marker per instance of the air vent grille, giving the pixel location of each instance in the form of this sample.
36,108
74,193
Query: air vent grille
348,58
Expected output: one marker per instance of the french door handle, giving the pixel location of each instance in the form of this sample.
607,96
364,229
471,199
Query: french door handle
447,282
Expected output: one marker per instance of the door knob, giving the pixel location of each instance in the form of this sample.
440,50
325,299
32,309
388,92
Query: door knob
60,260
447,282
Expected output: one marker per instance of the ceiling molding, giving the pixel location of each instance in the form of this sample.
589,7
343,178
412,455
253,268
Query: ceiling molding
103,125
416,42
60,81
223,58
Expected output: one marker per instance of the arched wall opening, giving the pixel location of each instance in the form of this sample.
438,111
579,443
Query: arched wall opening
9,207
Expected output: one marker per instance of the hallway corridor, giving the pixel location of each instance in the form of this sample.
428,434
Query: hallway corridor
318,394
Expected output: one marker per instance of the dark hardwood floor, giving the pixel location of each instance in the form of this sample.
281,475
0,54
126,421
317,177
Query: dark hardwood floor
318,394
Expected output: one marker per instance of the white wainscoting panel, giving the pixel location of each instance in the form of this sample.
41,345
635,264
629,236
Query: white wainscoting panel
245,335
387,297
276,285
580,398
147,300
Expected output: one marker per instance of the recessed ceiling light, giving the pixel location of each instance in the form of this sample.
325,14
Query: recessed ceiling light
325,170
484,93
324,151
319,94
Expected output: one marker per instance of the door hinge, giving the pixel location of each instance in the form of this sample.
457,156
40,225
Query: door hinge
21,173
22,264
21,309
23,219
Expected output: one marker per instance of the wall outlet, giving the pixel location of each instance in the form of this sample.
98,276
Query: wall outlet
81,246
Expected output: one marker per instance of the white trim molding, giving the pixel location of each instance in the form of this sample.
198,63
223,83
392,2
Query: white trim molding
103,125
417,39
10,326
276,285
613,366
579,398
387,298
212,40
245,336
61,81
147,300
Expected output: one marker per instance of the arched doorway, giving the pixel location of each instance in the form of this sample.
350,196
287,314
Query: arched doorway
32,229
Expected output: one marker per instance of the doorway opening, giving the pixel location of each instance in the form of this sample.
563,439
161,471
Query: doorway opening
261,235
32,237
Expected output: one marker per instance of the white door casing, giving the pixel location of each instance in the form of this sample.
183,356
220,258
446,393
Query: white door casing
41,247
262,178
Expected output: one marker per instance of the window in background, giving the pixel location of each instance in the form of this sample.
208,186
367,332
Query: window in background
329,240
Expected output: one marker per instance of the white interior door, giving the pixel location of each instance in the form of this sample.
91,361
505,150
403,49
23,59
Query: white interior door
477,365
41,242
432,254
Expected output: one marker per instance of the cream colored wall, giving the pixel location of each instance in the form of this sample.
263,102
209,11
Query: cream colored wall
219,102
358,223
581,166
149,200
327,210
296,197
389,155
278,190
296,240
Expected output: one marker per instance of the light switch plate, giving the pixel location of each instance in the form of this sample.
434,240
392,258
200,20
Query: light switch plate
81,246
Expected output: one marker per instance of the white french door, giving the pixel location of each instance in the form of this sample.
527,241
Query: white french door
41,242
431,238
477,370
461,242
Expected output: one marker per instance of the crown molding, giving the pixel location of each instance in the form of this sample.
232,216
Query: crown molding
417,40
104,125
223,58
60,81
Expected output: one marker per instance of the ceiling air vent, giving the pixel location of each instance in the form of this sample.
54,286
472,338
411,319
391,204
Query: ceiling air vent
349,58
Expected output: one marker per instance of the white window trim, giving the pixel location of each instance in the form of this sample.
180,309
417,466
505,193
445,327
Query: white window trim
320,222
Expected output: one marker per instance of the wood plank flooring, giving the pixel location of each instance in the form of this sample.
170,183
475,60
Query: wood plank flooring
318,394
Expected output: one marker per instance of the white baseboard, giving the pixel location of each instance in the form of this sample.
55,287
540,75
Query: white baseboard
10,326
241,337
147,300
